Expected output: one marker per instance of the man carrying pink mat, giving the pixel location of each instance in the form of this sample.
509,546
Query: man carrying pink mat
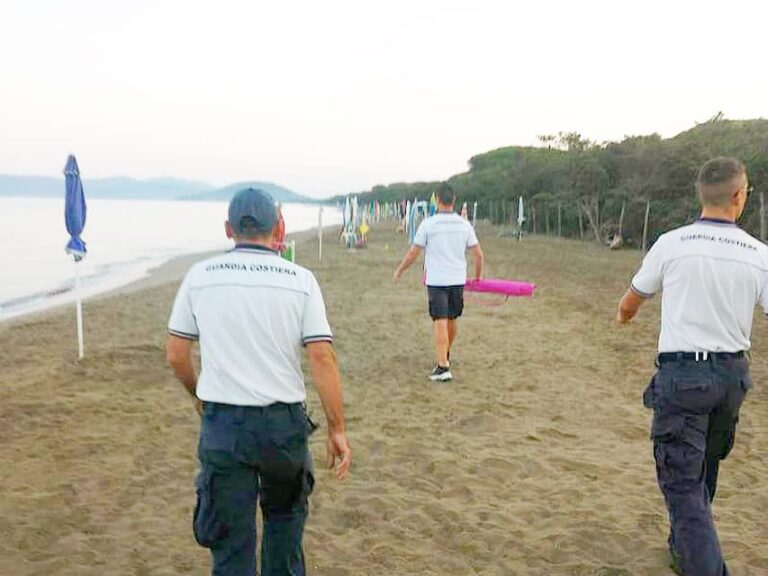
444,238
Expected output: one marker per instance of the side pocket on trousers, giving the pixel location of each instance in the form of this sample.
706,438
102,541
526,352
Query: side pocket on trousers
308,483
648,393
207,528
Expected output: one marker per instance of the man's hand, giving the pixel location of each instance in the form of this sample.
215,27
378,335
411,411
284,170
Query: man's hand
325,372
178,352
621,319
477,254
628,307
409,258
339,453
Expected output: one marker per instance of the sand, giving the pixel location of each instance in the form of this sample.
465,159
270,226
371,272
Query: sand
535,460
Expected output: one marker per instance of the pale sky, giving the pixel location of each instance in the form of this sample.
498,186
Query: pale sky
331,96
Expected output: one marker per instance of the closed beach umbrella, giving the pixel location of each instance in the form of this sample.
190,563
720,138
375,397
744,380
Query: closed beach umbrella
74,217
74,209
347,212
432,204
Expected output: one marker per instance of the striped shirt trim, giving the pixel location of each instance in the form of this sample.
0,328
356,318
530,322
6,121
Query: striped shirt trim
640,293
246,247
318,338
184,335
717,222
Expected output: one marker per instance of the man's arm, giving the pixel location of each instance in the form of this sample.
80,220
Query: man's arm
325,372
410,257
477,254
178,352
629,306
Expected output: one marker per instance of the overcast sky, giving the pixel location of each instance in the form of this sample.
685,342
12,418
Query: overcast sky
331,96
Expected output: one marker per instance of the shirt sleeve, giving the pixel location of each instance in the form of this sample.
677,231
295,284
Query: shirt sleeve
648,279
420,238
472,237
182,322
315,327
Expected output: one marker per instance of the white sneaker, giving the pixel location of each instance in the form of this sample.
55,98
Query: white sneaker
440,374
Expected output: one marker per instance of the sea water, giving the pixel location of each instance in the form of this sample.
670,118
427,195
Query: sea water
125,239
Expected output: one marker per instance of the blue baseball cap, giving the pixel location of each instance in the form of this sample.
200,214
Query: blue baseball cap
252,212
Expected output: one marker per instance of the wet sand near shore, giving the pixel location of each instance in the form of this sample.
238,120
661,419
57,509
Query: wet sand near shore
535,460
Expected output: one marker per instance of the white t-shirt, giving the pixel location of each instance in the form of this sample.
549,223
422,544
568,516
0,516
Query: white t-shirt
445,238
252,311
712,274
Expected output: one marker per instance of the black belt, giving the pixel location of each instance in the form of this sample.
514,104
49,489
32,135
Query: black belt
699,356
243,409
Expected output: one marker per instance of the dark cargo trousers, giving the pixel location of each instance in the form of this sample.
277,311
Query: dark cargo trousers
696,408
250,453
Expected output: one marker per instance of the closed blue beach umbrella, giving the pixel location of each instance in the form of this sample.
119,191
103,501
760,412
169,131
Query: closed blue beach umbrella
74,216
74,209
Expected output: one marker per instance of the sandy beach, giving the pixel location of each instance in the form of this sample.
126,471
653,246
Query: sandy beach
534,461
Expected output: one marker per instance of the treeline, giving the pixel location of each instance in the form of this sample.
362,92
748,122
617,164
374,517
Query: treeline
578,188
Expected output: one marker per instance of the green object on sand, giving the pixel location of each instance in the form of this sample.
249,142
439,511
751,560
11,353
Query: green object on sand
288,252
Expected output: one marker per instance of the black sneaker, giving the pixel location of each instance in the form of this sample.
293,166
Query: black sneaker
440,374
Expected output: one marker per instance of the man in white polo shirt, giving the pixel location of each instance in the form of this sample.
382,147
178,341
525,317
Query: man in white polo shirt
252,311
445,238
712,274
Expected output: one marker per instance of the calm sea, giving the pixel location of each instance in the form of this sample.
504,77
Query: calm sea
125,240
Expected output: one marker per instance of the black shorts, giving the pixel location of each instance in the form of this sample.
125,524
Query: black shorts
445,301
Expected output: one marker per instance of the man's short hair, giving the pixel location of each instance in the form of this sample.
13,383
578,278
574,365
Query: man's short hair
445,194
716,180
252,213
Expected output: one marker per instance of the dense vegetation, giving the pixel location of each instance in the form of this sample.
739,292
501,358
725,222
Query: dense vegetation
587,183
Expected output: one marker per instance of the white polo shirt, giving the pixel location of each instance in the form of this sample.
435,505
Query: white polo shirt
252,311
445,238
712,275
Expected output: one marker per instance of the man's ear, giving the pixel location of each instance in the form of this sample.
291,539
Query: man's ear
276,230
228,230
736,197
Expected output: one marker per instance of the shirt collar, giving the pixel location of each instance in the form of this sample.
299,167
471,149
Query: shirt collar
246,246
720,221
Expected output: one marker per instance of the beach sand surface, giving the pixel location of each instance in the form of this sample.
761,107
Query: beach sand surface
535,460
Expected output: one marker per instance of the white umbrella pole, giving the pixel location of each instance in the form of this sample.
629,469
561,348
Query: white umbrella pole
320,235
79,304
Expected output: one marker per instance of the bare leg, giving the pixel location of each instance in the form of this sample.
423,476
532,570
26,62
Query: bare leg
441,341
453,328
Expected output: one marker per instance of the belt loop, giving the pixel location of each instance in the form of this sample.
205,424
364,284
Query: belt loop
679,357
705,355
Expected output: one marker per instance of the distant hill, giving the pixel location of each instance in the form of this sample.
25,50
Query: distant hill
132,189
279,193
117,188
